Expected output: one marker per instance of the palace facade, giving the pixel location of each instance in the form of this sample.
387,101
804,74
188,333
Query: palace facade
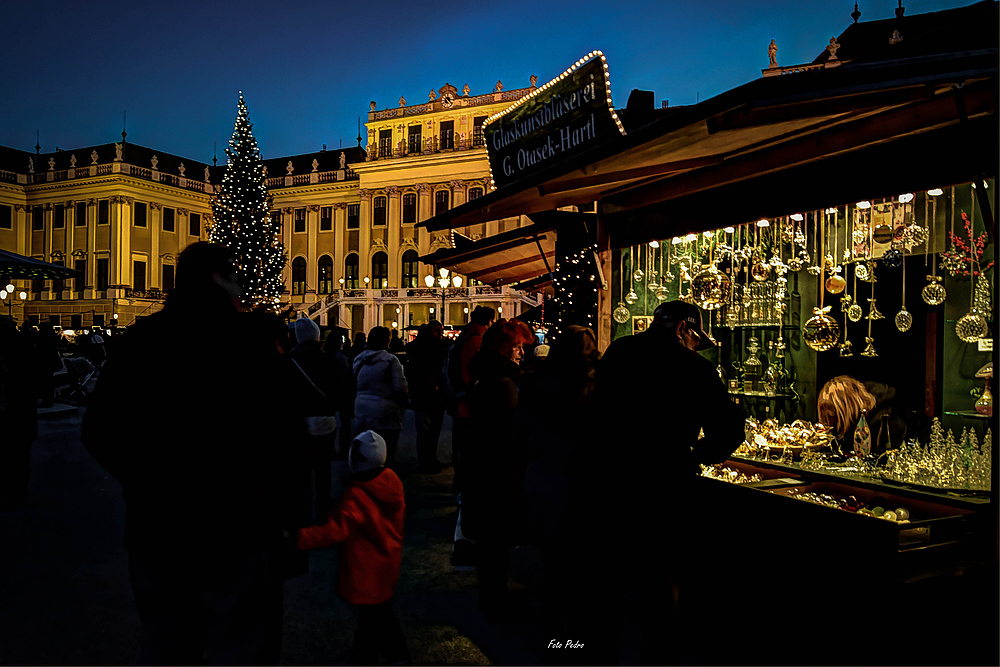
121,213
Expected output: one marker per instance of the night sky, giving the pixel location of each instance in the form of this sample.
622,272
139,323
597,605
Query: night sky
309,68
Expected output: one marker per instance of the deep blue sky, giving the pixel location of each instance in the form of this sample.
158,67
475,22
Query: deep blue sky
308,68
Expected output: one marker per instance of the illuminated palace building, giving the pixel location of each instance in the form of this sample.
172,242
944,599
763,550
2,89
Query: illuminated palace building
121,213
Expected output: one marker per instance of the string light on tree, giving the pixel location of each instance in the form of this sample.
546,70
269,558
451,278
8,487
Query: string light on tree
242,221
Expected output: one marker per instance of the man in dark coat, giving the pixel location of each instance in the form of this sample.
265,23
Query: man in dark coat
196,428
667,411
424,367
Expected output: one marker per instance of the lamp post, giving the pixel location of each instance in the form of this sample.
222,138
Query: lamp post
443,282
7,296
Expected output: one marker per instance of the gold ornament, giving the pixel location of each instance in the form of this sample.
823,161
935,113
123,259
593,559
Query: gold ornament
836,283
873,312
845,349
821,332
971,327
760,271
934,292
904,320
869,350
710,288
854,313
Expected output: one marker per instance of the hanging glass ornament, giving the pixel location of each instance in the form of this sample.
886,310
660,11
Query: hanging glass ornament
622,314
892,258
637,275
710,288
903,319
669,276
861,271
836,283
873,312
854,313
794,264
845,349
820,332
845,302
631,297
934,293
971,327
869,350
984,405
914,235
662,294
787,231
981,296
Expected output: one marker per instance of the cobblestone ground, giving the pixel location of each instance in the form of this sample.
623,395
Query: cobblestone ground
67,601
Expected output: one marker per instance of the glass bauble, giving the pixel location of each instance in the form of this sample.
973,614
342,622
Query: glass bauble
914,235
821,332
971,327
836,284
854,313
760,271
904,320
621,314
710,288
795,264
892,258
861,271
631,297
637,276
934,292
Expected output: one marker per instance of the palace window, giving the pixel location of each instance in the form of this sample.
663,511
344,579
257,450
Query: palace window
168,277
6,217
58,284
194,224
103,273
104,212
169,218
441,199
475,193
380,271
80,280
300,220
138,274
478,138
353,216
81,214
413,141
325,218
409,208
410,269
139,210
351,271
325,265
379,211
58,216
37,218
298,276
447,134
385,143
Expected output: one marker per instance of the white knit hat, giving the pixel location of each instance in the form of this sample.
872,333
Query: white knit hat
306,329
367,452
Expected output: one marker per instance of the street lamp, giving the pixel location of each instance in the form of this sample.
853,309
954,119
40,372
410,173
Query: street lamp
443,282
7,296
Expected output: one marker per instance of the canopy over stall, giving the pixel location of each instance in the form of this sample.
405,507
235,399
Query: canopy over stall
13,265
876,120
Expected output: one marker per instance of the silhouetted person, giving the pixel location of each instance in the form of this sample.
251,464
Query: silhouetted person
18,413
425,357
48,361
493,504
396,343
321,389
380,391
198,432
646,470
359,346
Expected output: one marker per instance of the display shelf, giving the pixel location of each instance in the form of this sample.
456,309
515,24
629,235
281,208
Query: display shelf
970,414
757,394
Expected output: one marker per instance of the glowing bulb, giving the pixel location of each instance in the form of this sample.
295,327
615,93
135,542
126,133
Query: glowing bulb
935,192
906,198
654,244
797,217
763,222
864,204
729,230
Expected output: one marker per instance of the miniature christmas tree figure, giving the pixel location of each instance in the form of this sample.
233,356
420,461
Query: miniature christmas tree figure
242,222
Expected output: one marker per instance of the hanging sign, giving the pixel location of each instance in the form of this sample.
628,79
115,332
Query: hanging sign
565,117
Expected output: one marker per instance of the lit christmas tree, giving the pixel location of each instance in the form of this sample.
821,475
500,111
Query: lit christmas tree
242,222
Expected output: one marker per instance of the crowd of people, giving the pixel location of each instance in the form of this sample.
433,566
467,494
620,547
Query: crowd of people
224,454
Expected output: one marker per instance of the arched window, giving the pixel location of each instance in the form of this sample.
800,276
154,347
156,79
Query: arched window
325,265
475,193
351,271
410,269
299,275
441,200
380,271
379,211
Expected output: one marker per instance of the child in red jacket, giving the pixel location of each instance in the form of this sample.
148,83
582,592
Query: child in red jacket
369,523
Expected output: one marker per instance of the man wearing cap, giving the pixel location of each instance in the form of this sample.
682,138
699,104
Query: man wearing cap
667,411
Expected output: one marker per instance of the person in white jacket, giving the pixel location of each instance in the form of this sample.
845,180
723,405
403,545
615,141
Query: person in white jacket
381,391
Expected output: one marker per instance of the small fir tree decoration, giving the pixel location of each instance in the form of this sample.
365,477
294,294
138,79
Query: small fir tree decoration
242,222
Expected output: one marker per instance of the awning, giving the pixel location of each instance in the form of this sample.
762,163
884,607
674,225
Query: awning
13,265
504,259
774,146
